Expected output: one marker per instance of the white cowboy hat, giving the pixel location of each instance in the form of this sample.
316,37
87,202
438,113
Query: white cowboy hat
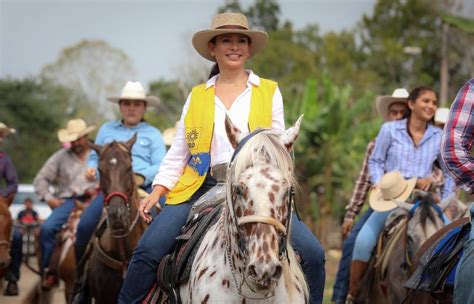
441,116
229,23
383,102
392,187
135,91
5,130
169,134
75,129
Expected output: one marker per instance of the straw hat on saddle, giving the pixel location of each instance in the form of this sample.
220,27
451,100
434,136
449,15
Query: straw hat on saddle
135,91
5,130
383,102
169,134
392,188
441,116
75,129
229,23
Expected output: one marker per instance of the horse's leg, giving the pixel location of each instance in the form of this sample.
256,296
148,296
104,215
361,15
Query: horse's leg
67,270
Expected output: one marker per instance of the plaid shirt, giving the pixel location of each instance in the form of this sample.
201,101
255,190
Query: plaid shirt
458,138
363,184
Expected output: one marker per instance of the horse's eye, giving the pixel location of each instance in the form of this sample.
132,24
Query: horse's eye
238,190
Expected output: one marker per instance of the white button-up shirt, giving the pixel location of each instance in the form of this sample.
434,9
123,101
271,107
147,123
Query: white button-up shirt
178,155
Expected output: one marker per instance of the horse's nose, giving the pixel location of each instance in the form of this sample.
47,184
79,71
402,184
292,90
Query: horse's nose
266,273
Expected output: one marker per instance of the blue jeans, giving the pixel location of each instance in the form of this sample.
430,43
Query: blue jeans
368,235
341,286
142,269
16,252
88,223
51,227
463,291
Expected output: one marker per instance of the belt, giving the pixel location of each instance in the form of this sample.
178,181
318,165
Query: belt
219,172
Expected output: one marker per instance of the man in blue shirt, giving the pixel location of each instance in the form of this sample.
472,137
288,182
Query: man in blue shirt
147,152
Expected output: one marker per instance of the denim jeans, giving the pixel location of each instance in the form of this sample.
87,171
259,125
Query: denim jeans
312,254
16,253
155,243
463,291
341,286
88,223
142,269
51,227
368,235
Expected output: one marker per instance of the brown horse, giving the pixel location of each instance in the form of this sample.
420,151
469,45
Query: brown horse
6,223
113,247
415,227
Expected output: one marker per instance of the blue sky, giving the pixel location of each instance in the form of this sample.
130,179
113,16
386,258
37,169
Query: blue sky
156,35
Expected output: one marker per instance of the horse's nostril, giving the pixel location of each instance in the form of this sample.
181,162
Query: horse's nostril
252,271
278,271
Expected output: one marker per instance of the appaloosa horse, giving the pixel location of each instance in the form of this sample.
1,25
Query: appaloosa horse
113,249
420,219
246,255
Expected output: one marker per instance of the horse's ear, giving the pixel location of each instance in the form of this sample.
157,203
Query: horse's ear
233,133
290,135
95,147
130,142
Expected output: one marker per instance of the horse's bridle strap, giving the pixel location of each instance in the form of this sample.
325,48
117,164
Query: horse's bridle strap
262,219
116,193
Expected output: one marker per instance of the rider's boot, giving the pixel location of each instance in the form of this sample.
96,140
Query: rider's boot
12,289
49,280
358,269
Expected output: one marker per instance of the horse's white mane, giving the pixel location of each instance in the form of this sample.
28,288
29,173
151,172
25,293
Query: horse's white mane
266,147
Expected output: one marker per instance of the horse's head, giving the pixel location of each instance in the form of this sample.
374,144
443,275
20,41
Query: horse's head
425,217
5,232
260,190
117,183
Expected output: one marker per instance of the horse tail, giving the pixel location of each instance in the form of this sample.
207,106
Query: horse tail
291,266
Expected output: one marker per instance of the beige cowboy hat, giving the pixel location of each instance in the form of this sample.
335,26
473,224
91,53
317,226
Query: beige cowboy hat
169,134
5,130
135,91
392,188
229,23
75,129
383,102
441,116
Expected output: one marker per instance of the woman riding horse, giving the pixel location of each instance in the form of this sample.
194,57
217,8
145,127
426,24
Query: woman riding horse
201,150
410,146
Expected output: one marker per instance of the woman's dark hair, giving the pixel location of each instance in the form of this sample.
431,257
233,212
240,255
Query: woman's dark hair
414,94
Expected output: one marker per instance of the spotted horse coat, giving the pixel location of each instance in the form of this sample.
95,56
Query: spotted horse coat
246,257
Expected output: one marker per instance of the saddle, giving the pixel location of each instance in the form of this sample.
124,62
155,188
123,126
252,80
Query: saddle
437,267
175,268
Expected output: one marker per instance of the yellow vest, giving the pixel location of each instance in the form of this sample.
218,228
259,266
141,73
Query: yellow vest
199,128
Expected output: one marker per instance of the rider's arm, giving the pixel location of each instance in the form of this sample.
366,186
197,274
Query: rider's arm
46,176
458,137
377,159
178,155
10,176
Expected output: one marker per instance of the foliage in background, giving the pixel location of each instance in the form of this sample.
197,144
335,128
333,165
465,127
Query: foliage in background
95,70
36,111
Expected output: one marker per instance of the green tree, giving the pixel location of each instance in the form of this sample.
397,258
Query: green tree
94,70
36,110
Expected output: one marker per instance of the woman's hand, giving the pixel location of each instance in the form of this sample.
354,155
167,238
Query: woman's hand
91,174
150,201
424,183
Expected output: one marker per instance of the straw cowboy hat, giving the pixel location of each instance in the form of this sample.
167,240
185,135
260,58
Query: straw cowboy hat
5,130
383,102
169,134
441,116
135,91
229,23
75,129
392,187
